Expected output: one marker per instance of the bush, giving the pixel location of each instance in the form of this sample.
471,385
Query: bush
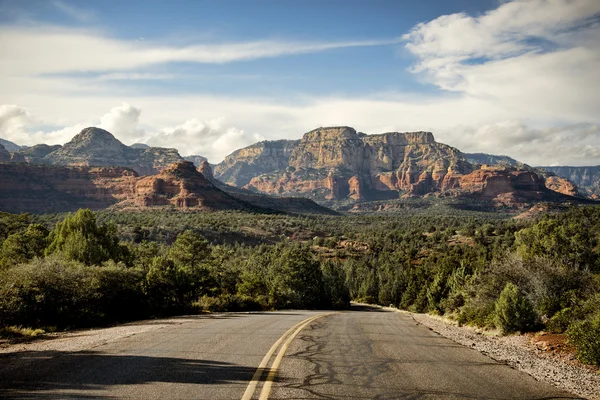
53,291
585,336
513,312
227,302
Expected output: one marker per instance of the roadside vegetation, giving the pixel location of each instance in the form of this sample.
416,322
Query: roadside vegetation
482,269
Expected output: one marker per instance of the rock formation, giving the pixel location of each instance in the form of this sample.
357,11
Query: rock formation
97,147
587,179
206,170
10,146
560,184
338,164
242,165
38,188
36,154
182,186
197,160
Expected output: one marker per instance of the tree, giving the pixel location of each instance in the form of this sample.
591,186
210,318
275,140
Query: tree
513,311
190,249
78,237
23,246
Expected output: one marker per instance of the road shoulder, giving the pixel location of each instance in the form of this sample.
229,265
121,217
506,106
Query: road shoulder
517,352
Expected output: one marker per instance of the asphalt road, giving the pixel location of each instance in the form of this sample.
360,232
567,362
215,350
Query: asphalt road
361,354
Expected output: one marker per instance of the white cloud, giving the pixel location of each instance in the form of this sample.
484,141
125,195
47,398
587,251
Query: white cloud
34,50
211,139
538,59
523,80
16,122
123,121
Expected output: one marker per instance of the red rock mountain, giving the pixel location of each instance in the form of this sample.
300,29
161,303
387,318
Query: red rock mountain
339,164
39,188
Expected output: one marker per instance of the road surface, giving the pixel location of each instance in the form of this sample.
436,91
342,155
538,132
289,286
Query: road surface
366,353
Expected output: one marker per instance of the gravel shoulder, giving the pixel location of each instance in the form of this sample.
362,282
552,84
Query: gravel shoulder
519,352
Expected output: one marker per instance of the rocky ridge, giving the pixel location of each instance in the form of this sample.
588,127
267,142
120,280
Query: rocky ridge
587,179
39,188
338,164
97,147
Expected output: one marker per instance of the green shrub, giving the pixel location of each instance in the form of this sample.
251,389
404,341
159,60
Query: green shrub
585,336
513,311
560,321
227,302
52,291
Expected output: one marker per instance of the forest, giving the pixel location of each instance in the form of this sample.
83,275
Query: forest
61,271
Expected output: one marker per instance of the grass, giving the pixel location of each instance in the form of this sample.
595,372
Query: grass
17,332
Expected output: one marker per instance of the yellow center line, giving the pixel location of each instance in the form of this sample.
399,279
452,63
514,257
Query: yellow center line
266,390
263,364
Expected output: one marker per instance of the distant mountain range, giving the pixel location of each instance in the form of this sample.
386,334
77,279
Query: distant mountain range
338,165
335,166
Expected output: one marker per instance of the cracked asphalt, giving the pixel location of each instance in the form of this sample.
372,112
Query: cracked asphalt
366,353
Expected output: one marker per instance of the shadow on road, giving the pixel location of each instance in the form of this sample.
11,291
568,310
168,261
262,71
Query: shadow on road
52,372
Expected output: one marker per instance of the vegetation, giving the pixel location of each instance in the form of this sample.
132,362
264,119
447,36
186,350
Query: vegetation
480,268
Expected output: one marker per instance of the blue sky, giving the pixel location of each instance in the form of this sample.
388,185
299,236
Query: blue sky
514,77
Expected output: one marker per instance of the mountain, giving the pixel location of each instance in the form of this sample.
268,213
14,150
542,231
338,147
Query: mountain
242,165
197,160
339,166
182,186
44,188
587,179
97,147
139,146
4,154
491,159
35,154
557,183
10,146
296,205
339,163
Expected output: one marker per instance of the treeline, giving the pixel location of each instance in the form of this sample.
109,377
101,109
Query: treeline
80,274
481,269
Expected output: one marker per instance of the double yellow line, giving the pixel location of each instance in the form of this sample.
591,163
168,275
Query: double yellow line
266,389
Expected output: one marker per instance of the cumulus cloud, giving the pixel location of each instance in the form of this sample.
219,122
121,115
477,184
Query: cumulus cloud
211,139
123,121
16,124
522,79
536,58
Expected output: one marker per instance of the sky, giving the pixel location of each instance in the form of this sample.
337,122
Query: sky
518,78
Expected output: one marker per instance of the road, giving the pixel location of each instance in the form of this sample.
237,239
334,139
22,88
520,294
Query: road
365,353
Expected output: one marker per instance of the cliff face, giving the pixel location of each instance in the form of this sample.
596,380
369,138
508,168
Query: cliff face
49,188
587,179
338,163
97,147
182,186
242,165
